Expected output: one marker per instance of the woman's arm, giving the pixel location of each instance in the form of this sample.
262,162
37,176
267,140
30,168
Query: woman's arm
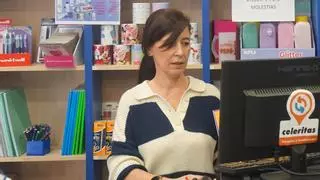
139,174
125,156
142,175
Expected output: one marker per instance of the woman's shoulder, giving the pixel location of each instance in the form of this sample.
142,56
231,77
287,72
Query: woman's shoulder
203,87
136,93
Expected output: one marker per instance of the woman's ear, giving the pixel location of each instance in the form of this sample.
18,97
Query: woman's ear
150,53
151,50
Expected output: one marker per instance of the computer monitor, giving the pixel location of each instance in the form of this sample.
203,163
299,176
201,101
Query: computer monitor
249,127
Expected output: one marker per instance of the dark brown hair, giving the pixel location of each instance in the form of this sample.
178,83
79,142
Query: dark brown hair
159,24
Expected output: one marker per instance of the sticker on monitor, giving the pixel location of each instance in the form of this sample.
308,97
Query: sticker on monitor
300,129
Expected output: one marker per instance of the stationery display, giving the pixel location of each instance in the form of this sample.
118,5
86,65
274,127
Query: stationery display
38,139
109,34
103,129
60,44
129,34
136,54
16,40
109,131
129,51
109,110
99,138
15,45
228,46
102,137
194,32
87,11
287,32
277,39
195,46
195,54
64,47
4,25
103,54
47,28
121,55
225,42
265,37
38,132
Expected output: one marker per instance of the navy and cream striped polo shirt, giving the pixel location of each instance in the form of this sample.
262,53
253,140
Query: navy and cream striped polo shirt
149,134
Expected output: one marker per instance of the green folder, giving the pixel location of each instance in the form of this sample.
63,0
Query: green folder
81,140
77,146
77,125
79,122
18,118
78,119
5,126
3,147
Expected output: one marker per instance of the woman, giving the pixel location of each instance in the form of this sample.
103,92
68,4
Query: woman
164,127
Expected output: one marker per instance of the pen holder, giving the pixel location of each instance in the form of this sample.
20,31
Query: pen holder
38,148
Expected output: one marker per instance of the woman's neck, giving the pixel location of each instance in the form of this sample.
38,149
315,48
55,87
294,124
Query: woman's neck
165,83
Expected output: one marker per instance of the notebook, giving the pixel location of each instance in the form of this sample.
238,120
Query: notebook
8,146
18,118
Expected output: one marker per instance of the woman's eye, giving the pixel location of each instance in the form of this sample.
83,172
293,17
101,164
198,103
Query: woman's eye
186,43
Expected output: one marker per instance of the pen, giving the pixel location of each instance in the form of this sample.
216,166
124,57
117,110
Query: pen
21,43
25,46
9,43
1,43
37,132
17,44
13,42
5,42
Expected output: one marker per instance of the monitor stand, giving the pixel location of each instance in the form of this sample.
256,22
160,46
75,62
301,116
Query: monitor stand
298,164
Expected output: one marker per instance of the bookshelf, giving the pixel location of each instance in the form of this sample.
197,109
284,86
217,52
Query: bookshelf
46,92
48,170
53,156
38,67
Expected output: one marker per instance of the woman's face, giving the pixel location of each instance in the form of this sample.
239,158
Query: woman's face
172,61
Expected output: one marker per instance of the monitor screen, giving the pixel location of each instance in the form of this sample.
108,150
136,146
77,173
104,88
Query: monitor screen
252,107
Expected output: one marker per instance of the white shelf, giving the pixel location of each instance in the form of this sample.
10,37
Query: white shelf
136,67
38,67
54,155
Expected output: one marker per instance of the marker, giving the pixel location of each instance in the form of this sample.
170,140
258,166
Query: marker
17,44
25,44
1,43
13,42
21,43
